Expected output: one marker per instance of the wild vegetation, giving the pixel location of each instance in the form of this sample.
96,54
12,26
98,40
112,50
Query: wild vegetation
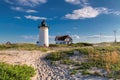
16,72
103,56
22,46
81,44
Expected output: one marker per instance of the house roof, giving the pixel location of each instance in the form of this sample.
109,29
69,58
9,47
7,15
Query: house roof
62,37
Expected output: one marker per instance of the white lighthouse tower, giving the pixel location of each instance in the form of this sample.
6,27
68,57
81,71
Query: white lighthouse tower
43,35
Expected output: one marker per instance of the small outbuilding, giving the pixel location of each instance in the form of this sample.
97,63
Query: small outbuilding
66,39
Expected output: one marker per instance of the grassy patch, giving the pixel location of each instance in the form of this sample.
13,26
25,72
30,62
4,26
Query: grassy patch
54,56
73,72
22,46
67,61
16,72
81,44
102,57
85,72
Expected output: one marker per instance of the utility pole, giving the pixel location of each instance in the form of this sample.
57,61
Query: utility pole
115,31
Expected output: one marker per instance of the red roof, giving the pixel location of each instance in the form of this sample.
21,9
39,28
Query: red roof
62,37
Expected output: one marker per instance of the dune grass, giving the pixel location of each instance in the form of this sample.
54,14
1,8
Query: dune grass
16,72
22,46
104,57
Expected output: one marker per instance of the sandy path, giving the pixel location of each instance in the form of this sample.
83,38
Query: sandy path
48,72
35,58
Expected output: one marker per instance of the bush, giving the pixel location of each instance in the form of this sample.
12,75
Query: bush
97,74
73,72
69,52
85,65
67,61
58,45
85,72
86,50
55,56
16,72
81,44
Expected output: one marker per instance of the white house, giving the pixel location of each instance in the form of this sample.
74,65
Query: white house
66,39
43,35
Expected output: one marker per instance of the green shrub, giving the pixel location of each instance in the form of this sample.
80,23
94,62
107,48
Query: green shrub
68,52
16,72
85,72
77,64
96,74
73,72
53,63
67,61
55,56
86,50
81,44
85,65
58,45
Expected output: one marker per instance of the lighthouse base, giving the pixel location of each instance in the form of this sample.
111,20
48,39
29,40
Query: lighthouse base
41,45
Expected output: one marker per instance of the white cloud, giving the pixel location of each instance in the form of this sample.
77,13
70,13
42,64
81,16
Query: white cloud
75,36
90,12
34,17
86,12
78,2
34,37
30,3
100,36
31,11
73,1
23,10
17,17
17,8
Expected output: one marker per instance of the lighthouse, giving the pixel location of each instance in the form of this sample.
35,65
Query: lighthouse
43,35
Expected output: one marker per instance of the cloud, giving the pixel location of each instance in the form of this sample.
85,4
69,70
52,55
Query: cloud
31,11
78,2
17,9
17,17
100,36
34,17
20,9
73,1
34,37
30,3
90,12
75,36
86,12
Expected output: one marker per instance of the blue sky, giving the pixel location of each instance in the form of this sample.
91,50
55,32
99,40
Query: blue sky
83,20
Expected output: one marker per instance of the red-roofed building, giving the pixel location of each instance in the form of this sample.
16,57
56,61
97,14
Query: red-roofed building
66,39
